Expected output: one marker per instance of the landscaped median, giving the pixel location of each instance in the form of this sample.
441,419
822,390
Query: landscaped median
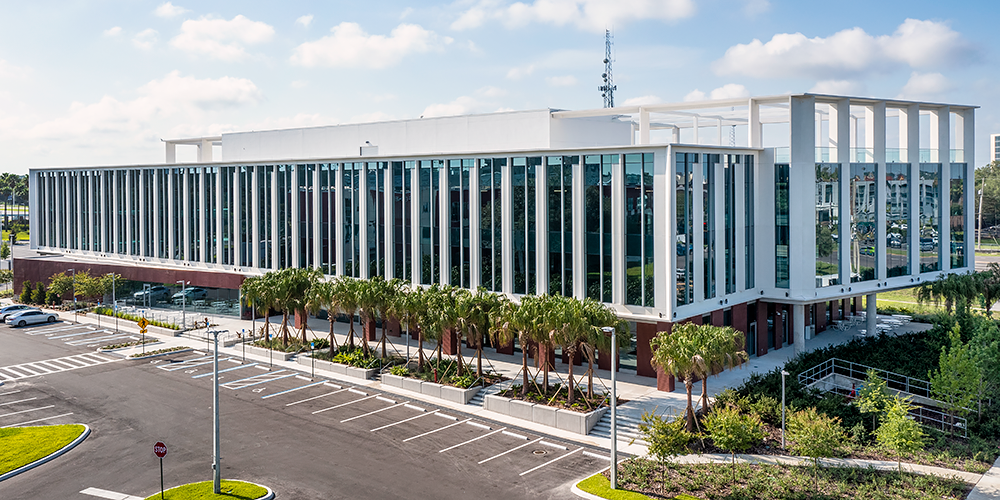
23,448
231,490
598,486
160,352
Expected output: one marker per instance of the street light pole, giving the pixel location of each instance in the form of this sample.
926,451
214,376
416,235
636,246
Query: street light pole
74,295
183,305
783,375
114,300
216,465
614,404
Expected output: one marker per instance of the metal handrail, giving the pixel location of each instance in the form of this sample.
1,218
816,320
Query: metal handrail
858,371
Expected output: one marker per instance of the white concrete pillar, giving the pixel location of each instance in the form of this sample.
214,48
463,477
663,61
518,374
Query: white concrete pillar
909,144
664,255
218,174
204,213
871,314
802,209
542,227
618,231
317,220
579,232
875,143
205,151
695,128
171,152
171,215
272,209
296,215
91,227
444,223
475,252
253,242
387,228
415,223
238,223
968,142
507,249
941,135
643,126
697,238
840,152
799,328
753,125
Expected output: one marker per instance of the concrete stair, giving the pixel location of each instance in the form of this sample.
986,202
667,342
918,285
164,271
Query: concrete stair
628,428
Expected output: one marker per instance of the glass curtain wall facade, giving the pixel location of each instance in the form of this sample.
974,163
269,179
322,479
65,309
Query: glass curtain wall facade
560,198
781,228
685,164
897,221
957,212
827,224
639,280
863,214
930,217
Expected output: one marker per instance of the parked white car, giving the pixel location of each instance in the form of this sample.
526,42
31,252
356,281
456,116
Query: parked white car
30,317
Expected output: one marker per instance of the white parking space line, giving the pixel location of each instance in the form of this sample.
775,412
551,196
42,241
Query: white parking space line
533,469
209,374
76,334
595,455
372,412
439,429
316,397
515,436
386,400
256,380
18,401
56,329
185,364
9,393
292,390
402,421
38,420
472,440
481,426
27,411
344,404
331,384
553,445
414,407
449,417
355,391
498,455
95,340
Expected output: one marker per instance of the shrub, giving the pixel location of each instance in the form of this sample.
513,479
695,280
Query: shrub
732,431
38,296
25,297
898,433
400,371
815,436
52,299
666,438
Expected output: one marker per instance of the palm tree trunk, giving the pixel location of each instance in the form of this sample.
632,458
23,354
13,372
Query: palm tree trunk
267,328
545,367
383,337
333,340
689,386
704,394
420,349
458,351
479,359
524,369
590,375
350,332
572,395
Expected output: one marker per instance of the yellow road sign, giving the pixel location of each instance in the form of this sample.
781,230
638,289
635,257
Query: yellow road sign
143,323
142,330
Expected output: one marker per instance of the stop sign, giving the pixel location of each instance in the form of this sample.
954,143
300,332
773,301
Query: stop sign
160,449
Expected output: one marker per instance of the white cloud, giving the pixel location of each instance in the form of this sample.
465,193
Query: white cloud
376,116
641,100
299,84
918,44
520,72
561,81
695,95
590,15
221,39
727,91
9,71
839,87
350,46
305,20
491,91
462,106
145,39
169,10
753,8
173,95
406,13
925,86
115,31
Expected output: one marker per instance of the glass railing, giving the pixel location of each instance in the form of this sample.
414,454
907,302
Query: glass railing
862,155
958,156
895,155
867,155
783,155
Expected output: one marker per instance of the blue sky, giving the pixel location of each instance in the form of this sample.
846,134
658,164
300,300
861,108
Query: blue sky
102,81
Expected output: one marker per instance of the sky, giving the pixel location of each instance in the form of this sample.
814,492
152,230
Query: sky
101,82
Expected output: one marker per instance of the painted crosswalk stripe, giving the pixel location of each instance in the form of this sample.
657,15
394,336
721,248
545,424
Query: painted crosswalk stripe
39,368
75,334
93,340
209,374
533,469
498,455
52,366
38,420
344,404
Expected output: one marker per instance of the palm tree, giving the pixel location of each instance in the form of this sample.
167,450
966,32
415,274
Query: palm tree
291,285
508,323
570,329
368,292
599,316
346,290
680,354
386,298
723,350
319,296
475,315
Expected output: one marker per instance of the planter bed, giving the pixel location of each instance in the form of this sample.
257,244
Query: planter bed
182,349
567,420
260,351
154,342
337,368
445,392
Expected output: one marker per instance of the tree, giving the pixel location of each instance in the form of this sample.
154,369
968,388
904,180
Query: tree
733,432
814,435
600,316
346,290
989,286
38,296
666,438
873,397
60,283
897,432
6,276
723,349
956,380
25,297
679,353
985,346
516,321
4,250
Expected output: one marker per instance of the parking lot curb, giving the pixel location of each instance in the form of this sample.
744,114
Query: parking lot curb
48,458
189,349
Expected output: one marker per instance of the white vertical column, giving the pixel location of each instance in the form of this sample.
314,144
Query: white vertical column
78,179
753,125
317,219
840,152
719,245
237,224
875,144
185,190
444,223
475,217
171,216
253,241
36,194
968,142
909,142
273,210
697,238
643,126
801,207
92,228
664,221
618,231
157,209
579,231
941,118
297,216
220,235
204,212
388,229
142,211
507,248
171,152
364,193
129,202
415,223
739,221
542,227
338,220
696,129
799,327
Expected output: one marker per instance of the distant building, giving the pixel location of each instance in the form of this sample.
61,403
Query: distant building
646,208
994,147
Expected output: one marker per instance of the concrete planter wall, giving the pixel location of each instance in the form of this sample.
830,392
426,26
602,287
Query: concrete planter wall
567,420
337,368
260,351
445,392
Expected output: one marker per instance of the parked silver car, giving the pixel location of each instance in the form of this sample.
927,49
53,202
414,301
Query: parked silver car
16,308
155,293
30,317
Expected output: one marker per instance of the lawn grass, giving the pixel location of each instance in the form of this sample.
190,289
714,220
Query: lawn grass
601,486
20,446
231,490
